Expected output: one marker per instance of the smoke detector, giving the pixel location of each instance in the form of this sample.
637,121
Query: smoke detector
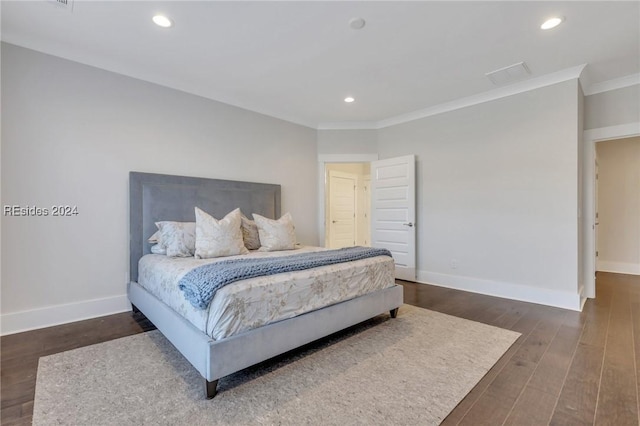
357,23
509,74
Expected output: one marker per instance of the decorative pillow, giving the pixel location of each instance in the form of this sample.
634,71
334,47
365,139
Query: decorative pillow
155,238
217,238
276,234
250,233
158,249
178,238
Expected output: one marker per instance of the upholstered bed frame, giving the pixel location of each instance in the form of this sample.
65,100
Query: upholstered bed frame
155,197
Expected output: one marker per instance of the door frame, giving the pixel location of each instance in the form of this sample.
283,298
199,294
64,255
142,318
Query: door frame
590,138
323,159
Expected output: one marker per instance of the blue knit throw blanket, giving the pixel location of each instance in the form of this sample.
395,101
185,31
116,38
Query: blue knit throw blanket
200,284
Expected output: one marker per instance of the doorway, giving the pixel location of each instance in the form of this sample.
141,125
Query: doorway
591,137
347,205
393,177
618,206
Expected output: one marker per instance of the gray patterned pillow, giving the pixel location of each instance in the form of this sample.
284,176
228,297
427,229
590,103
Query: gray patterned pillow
276,234
250,233
155,238
178,238
217,238
158,249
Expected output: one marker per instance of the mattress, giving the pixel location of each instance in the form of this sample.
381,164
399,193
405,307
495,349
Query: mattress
255,302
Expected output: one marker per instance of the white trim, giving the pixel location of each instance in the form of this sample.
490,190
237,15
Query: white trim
618,267
491,95
348,125
333,158
612,132
543,296
17,322
590,138
618,83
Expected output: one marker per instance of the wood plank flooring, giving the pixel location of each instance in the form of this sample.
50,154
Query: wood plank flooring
567,368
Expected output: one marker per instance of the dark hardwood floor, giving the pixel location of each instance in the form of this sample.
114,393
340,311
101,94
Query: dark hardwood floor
567,368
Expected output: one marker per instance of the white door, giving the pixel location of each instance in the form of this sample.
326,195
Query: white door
393,211
342,209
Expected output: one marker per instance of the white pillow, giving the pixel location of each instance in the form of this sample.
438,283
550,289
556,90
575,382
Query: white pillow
178,238
250,234
276,234
217,238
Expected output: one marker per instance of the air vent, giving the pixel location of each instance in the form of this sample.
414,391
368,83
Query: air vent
63,4
509,74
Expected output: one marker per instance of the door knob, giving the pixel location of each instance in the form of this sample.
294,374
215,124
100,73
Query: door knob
408,224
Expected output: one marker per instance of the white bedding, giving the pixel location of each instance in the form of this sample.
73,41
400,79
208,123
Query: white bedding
259,301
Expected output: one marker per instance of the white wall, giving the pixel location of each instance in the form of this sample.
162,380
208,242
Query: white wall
72,133
497,192
619,205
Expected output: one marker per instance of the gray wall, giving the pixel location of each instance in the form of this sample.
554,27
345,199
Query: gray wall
70,135
497,191
347,141
498,183
620,106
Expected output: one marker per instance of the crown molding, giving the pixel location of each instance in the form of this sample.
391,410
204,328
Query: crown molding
348,125
617,83
502,92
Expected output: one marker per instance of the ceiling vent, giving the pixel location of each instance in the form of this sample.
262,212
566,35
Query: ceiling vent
509,74
63,4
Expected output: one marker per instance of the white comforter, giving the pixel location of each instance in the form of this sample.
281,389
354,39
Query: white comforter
252,303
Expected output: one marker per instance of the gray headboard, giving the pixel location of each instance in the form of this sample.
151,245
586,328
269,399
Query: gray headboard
155,197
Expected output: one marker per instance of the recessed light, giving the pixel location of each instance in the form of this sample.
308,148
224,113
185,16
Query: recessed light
349,99
551,23
162,21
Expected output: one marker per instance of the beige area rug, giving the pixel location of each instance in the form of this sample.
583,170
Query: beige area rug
410,370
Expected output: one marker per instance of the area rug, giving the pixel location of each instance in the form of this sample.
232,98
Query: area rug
413,369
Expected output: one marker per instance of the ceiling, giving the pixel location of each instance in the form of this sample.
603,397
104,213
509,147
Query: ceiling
298,60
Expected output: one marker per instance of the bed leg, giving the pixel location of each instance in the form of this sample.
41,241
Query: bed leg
211,388
134,309
393,312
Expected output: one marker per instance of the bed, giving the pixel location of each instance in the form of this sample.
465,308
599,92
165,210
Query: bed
217,352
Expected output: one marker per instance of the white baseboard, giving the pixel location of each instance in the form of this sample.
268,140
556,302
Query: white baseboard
17,322
542,296
618,267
